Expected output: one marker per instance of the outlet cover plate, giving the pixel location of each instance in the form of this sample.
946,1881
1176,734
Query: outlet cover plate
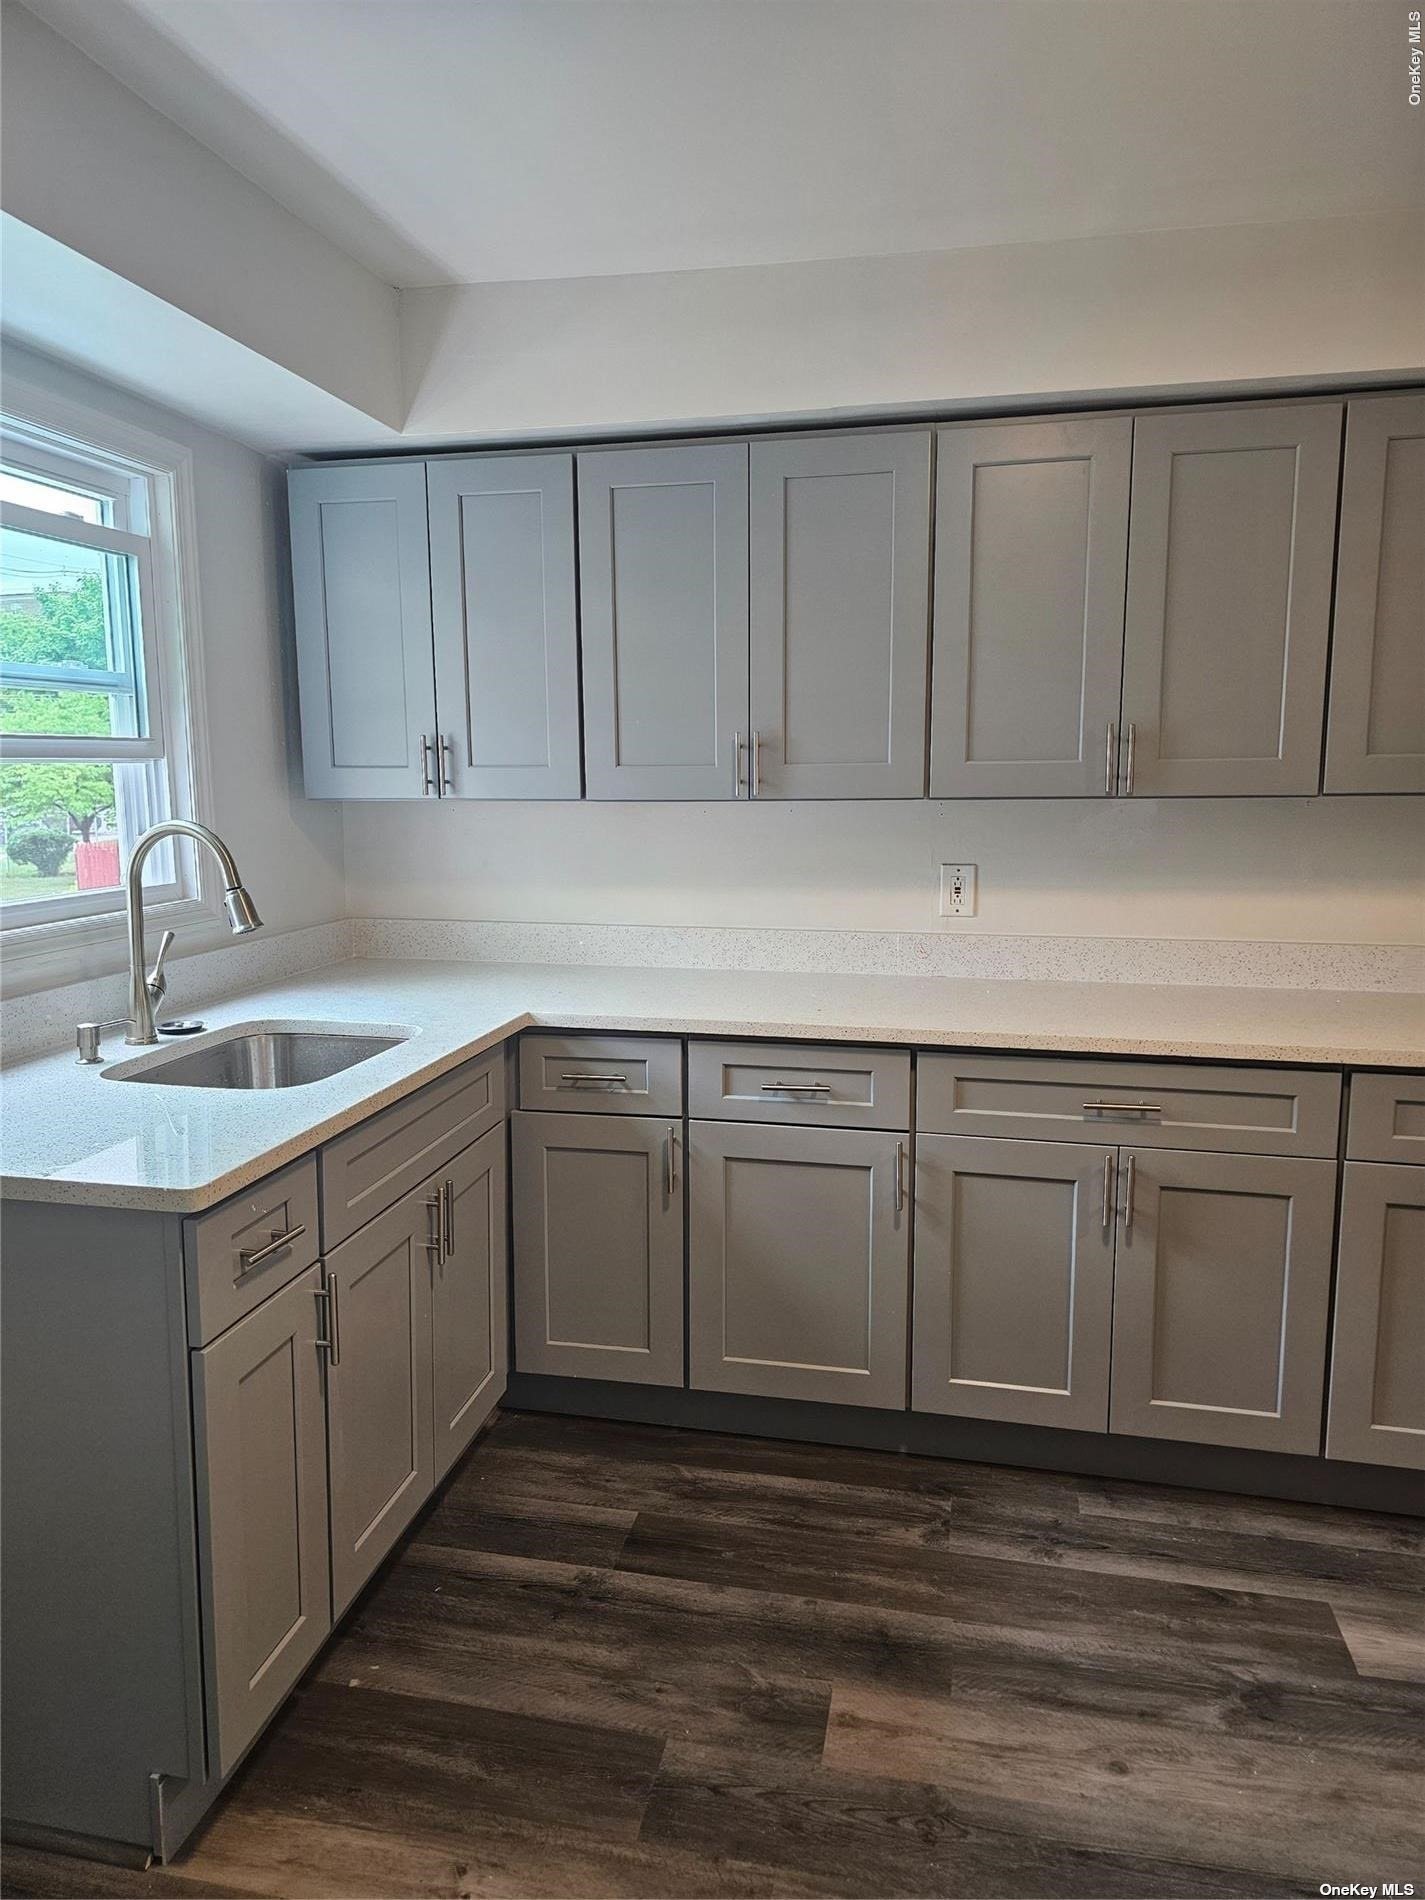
959,889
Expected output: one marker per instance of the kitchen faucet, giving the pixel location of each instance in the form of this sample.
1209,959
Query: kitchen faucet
146,989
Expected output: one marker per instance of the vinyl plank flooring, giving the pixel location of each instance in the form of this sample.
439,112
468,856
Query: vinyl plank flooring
32,1871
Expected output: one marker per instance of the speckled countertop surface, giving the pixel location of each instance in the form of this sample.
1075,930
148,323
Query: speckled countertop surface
74,1135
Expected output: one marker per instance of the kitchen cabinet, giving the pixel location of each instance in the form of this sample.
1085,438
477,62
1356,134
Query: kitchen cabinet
1375,729
1031,549
798,1264
1221,1284
469,1300
1013,1280
598,1229
505,626
362,608
663,610
1377,1406
839,604
261,1441
1229,597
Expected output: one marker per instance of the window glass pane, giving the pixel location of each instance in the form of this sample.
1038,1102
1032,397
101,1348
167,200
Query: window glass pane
73,713
60,830
65,612
35,491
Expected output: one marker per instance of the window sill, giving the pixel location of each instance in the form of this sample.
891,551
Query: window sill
75,949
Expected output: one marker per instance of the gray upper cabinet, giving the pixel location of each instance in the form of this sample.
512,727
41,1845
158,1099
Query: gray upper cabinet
262,1512
1377,1412
469,1326
1375,733
1229,596
379,1418
1013,1280
361,597
1031,548
839,593
798,1263
663,609
505,622
598,1278
1221,1283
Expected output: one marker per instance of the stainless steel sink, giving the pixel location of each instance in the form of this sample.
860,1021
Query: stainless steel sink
262,1059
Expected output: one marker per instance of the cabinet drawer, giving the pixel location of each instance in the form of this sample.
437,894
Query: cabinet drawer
1148,1104
832,1086
602,1075
238,1253
1387,1119
372,1165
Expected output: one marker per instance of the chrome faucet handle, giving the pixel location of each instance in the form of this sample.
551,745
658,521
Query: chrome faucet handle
157,981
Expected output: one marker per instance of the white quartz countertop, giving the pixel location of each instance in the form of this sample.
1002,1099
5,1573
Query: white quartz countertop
72,1134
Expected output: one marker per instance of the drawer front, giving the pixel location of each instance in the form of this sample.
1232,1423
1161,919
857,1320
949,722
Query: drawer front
371,1166
835,1086
1145,1104
602,1075
238,1253
1387,1120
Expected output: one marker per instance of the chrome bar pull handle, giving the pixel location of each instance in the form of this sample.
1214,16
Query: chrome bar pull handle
447,776
1132,759
796,1088
1108,1184
334,1318
429,788
613,1080
324,1319
434,1242
739,752
447,1217
754,789
1128,1194
1110,758
670,1162
900,1176
1123,1108
248,1258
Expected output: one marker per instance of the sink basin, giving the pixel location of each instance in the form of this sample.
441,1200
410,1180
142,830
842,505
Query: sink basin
263,1059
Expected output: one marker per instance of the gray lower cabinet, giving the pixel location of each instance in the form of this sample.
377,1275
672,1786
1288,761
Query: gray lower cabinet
379,1417
663,614
1221,1286
1031,550
1377,1409
1229,599
261,1443
798,1265
1375,730
840,604
1013,1280
361,603
469,1302
598,1229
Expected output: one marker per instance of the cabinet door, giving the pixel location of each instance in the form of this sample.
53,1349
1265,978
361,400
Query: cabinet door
1377,1412
262,1512
1031,552
663,607
506,635
1375,735
1220,1294
598,1203
379,1386
798,1263
361,597
470,1348
1013,1280
1229,596
840,584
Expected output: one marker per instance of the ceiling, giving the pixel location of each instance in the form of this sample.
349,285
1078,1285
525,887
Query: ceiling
474,141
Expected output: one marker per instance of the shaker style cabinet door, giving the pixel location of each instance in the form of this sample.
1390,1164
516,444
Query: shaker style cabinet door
506,632
1229,600
1221,1283
799,1262
262,1512
470,1349
1375,731
379,1386
839,591
663,608
598,1202
1013,1280
361,598
1377,1410
1031,551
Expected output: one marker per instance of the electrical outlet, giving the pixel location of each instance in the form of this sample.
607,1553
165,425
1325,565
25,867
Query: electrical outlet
958,883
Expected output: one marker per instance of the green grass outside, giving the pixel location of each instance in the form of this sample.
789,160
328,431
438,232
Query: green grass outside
21,884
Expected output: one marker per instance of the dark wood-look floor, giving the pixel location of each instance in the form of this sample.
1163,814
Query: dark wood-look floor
628,1660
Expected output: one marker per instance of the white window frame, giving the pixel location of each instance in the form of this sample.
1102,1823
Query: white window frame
146,482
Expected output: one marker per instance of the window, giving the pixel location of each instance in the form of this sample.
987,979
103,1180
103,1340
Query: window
95,743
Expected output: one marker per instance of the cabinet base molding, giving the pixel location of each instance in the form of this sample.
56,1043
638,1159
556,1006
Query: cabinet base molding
1263,1474
60,1840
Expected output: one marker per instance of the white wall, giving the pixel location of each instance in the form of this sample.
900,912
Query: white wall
1157,310
1331,870
289,848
